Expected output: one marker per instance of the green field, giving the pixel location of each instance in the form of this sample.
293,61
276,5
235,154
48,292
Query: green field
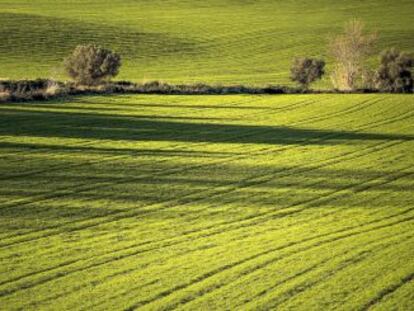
293,202
209,202
213,41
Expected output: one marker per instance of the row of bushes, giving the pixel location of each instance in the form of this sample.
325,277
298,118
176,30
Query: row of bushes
393,75
27,90
350,52
31,90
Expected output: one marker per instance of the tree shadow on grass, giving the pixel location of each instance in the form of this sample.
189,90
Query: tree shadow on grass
121,151
16,122
191,191
63,34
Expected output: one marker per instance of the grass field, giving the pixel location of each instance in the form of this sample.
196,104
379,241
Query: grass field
202,203
293,202
214,41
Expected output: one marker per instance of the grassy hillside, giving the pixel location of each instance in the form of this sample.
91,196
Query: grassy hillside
224,41
250,203
203,202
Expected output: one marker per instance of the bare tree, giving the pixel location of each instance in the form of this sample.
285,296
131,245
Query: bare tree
350,50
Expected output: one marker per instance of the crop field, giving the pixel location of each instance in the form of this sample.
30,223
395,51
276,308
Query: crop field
208,202
209,41
235,202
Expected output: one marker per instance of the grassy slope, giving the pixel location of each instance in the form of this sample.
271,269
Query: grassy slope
248,203
210,41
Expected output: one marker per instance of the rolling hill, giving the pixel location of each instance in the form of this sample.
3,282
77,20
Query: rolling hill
249,42
238,202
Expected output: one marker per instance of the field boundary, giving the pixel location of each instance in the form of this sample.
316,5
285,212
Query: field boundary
44,89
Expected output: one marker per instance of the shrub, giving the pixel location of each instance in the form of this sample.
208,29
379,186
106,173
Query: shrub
53,89
394,73
350,51
25,90
5,95
307,70
91,64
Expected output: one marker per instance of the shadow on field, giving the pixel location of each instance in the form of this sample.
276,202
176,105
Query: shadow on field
14,122
222,191
63,35
100,150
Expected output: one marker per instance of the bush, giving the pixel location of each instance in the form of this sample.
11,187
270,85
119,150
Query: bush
26,90
307,70
4,95
91,64
394,73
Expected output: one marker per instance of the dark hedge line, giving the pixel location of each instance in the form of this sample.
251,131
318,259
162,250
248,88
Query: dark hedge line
43,89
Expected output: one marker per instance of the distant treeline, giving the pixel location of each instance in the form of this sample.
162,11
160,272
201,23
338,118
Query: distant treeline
91,68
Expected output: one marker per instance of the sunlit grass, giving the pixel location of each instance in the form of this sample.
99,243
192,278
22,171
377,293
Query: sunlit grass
249,42
207,202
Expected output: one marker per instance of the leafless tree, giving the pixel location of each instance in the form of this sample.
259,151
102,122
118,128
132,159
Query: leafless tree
350,50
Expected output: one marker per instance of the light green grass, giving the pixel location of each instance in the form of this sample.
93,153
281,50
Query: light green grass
227,41
202,203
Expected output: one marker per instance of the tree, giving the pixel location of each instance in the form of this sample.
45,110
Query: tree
91,64
307,70
394,73
350,51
